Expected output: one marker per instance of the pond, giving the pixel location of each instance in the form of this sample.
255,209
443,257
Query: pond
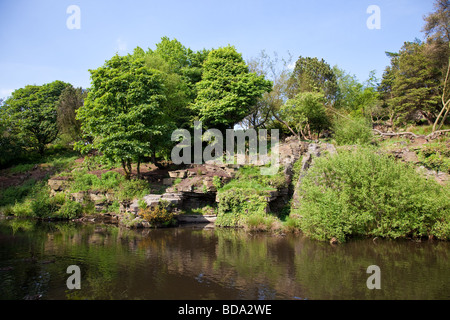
193,263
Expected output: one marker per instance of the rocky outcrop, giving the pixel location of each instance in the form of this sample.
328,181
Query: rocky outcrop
314,151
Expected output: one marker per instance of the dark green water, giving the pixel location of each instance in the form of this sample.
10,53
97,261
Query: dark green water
194,263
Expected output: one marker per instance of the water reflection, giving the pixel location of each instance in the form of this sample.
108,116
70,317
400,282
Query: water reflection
191,263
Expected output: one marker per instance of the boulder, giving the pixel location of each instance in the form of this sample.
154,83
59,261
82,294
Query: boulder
58,185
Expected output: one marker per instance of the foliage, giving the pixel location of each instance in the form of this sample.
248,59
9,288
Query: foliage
158,215
31,114
227,91
109,181
436,27
235,205
129,220
361,193
305,114
411,85
249,177
436,156
217,182
313,75
33,200
11,147
261,223
279,73
69,102
246,195
122,111
350,131
353,97
70,210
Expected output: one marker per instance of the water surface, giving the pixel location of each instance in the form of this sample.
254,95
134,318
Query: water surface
197,263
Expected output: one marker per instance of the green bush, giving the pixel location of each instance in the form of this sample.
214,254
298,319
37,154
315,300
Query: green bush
11,195
245,196
70,210
352,131
436,156
260,222
131,189
235,205
361,193
158,216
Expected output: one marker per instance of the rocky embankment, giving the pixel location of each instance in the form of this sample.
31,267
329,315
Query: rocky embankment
195,187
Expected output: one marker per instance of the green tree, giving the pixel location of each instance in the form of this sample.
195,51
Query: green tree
182,61
123,110
31,113
415,86
313,75
69,102
227,91
437,30
354,97
385,87
11,147
437,25
304,114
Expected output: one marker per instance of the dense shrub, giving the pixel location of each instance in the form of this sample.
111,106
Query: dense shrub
237,204
361,193
243,201
352,131
70,210
158,215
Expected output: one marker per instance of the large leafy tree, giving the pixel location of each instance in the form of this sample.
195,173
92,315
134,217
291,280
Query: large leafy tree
313,75
123,110
356,98
413,84
227,91
69,102
11,148
31,114
437,30
304,114
182,61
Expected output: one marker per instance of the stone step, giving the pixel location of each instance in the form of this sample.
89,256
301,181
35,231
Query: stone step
184,218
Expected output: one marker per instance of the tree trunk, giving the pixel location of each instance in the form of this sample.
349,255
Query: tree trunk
126,165
428,117
41,149
284,123
138,168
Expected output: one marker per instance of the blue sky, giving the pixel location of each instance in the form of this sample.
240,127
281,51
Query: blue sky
37,47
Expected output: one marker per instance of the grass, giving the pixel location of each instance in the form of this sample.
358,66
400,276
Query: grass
32,198
249,177
424,130
243,201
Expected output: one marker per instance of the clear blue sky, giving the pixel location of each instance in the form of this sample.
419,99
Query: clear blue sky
37,47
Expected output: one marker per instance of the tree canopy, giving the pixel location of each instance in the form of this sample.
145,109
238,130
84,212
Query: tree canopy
31,114
313,75
123,110
227,91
